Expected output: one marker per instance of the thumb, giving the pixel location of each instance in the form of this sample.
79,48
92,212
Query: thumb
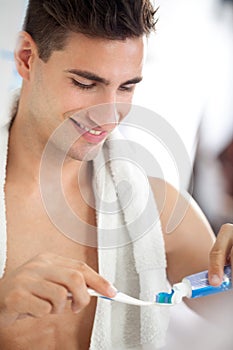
219,254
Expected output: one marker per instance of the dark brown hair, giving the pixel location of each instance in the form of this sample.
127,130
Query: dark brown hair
49,22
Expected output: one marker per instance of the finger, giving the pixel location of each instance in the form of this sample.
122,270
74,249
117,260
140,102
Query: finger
54,293
92,278
22,302
219,254
72,281
80,295
231,260
97,282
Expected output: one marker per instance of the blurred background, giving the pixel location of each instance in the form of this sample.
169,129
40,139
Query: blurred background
188,80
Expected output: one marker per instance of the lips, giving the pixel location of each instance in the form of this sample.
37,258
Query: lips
91,135
85,128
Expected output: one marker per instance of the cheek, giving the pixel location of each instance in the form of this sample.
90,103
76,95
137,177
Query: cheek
70,99
58,99
53,92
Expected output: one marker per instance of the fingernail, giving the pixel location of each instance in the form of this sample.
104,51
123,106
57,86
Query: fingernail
215,279
112,290
76,310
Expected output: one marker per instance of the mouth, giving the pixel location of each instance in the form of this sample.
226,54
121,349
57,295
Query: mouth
91,135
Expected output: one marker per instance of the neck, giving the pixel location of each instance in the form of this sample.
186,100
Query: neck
25,151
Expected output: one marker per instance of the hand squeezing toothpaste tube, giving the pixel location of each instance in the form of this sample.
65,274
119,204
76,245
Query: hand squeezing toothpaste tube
195,286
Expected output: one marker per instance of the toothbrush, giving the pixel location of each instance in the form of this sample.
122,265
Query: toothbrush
124,298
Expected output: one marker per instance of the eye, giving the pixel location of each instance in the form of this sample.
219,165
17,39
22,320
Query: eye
127,88
82,86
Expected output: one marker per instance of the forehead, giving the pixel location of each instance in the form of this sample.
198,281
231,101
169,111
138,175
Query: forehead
103,55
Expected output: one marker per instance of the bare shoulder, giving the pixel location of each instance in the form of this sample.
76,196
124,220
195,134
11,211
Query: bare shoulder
187,233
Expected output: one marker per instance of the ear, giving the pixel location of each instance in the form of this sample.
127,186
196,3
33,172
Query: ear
25,53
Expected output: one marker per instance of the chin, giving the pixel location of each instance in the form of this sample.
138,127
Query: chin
84,154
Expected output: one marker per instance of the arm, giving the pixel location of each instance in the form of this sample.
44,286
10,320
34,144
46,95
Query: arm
191,239
190,246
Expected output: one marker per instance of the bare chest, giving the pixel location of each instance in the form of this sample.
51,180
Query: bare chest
31,232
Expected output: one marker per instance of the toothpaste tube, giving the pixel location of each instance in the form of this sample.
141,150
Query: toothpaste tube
195,286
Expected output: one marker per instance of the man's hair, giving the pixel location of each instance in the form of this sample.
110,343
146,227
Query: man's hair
49,22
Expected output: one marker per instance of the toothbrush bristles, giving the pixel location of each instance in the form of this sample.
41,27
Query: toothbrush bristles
164,298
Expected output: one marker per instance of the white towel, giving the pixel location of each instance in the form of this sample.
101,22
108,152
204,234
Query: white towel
131,250
3,157
11,107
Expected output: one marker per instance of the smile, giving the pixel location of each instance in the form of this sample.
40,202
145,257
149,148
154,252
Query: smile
90,135
83,127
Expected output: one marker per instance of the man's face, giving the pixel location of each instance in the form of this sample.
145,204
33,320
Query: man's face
86,73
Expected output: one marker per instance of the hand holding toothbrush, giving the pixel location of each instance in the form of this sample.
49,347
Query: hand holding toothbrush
40,286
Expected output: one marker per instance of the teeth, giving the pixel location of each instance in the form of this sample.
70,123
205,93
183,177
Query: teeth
93,132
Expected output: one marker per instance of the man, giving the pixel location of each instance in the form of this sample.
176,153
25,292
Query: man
73,55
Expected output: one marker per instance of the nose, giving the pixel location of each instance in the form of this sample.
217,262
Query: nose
104,115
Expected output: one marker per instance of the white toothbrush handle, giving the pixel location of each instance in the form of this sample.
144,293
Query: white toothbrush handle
126,299
91,292
122,298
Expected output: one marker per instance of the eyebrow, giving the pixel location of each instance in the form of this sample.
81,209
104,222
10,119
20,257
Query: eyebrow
94,77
